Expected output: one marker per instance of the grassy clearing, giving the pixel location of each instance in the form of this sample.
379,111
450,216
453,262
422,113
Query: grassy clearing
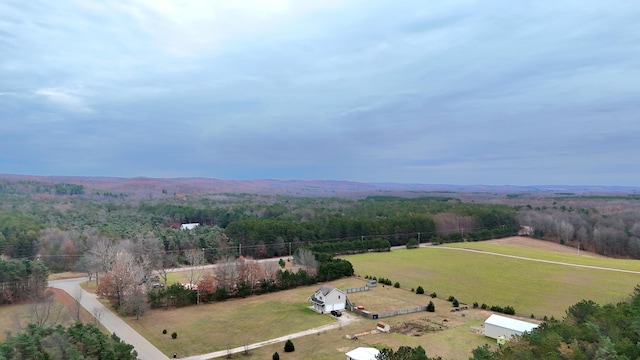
583,259
530,287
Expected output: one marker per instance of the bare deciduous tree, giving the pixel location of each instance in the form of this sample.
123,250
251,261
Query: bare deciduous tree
195,258
44,311
306,258
102,255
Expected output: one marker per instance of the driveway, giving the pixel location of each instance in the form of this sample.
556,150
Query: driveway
146,350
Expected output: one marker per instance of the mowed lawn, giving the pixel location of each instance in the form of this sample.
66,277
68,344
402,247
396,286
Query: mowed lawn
530,287
233,323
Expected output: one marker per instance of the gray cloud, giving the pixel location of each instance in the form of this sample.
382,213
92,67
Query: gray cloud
456,92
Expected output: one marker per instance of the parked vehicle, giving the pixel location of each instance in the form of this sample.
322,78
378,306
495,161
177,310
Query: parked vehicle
336,313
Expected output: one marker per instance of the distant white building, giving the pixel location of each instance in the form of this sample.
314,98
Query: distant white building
189,226
363,353
497,326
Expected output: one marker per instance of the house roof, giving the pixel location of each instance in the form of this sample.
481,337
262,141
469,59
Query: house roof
363,353
509,323
326,289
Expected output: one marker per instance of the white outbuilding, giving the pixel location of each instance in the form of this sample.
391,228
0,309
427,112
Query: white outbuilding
363,353
497,326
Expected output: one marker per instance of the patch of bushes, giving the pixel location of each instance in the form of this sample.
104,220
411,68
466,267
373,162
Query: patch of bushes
433,295
505,310
396,285
419,290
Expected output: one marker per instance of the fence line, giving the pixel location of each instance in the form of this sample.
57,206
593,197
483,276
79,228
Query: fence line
355,290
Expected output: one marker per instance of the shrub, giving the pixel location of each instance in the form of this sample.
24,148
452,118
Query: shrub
275,356
431,307
288,346
433,295
533,317
509,310
282,263
413,244
419,290
164,331
396,285
483,306
413,290
455,303
174,335
451,298
475,304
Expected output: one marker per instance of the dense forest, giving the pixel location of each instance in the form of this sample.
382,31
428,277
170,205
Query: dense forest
59,223
78,341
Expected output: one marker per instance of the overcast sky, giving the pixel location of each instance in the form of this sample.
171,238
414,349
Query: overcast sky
435,92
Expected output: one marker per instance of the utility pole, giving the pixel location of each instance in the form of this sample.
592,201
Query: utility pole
418,238
289,249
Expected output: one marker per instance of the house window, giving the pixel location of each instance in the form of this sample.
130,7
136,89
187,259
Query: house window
338,296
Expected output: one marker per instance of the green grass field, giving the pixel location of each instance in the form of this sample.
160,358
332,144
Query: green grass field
530,287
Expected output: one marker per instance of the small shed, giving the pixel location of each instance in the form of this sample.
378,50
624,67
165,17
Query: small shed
363,353
497,326
382,326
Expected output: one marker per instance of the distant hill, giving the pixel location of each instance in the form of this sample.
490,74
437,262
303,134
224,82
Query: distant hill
155,187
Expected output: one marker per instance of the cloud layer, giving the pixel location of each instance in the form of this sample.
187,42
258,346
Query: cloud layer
457,92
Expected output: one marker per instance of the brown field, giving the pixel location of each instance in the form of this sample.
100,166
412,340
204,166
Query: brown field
537,244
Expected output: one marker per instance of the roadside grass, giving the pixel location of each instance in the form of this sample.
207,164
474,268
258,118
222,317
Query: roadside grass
584,259
530,287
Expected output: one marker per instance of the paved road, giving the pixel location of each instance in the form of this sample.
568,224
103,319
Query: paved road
146,350
343,320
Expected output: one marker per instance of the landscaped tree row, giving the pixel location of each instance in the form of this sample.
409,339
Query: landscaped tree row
589,331
76,342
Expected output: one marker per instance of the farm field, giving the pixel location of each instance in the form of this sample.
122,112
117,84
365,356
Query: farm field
530,287
545,250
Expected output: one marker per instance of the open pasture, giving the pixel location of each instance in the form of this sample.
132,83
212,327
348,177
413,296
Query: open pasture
530,287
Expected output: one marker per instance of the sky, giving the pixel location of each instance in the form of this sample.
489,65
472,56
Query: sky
433,92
